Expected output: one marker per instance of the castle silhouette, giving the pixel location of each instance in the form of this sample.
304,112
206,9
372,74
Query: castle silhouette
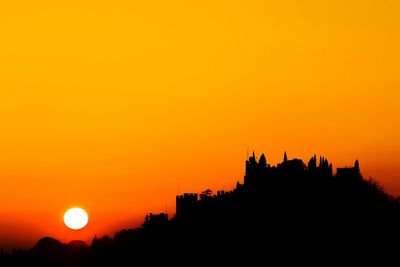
259,175
292,213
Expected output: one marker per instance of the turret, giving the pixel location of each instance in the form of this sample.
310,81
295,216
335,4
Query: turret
312,164
263,162
357,165
251,168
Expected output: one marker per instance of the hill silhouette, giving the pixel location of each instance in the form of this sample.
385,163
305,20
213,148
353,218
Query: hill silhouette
292,213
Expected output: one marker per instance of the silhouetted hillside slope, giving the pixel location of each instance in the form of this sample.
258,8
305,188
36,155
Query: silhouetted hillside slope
289,213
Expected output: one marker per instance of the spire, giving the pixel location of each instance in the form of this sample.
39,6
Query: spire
285,157
357,165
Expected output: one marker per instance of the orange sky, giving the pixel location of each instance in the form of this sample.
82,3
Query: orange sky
111,104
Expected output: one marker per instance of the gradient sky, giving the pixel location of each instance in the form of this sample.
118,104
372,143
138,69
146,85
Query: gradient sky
111,105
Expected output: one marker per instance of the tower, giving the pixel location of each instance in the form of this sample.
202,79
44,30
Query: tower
251,169
262,162
357,165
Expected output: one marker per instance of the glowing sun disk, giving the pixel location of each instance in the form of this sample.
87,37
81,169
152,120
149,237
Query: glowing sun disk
76,218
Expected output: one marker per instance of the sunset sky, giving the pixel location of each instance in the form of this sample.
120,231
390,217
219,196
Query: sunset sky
115,105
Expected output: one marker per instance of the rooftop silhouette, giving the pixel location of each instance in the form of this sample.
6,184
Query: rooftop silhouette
293,212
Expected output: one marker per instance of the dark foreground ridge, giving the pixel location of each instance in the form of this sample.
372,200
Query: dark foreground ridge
289,213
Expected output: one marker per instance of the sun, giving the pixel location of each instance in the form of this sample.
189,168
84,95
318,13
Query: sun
76,218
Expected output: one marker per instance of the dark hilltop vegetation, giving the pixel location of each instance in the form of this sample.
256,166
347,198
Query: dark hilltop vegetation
290,213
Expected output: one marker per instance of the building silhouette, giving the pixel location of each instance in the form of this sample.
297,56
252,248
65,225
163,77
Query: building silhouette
291,213
261,176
